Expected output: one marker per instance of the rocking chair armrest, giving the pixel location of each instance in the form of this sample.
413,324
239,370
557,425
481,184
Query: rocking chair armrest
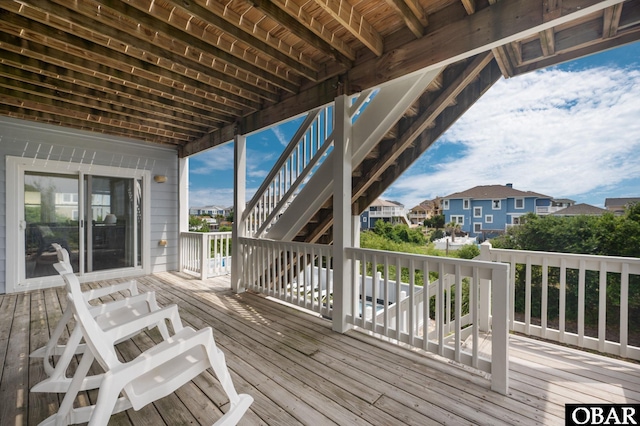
164,352
131,286
150,319
103,308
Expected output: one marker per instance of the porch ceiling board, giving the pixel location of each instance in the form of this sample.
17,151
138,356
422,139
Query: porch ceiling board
192,74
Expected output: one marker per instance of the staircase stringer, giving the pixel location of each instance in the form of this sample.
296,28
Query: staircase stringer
374,121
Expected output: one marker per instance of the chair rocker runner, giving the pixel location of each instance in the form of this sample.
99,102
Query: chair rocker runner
107,315
155,373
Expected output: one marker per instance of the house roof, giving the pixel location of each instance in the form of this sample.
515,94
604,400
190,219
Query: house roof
483,192
616,202
192,74
580,209
386,203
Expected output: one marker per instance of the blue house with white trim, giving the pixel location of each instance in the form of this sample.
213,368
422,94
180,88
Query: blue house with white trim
488,210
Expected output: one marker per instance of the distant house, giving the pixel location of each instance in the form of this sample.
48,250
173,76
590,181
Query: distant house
488,210
425,210
387,211
212,211
580,209
618,205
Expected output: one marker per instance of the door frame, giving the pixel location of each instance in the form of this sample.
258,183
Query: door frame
15,243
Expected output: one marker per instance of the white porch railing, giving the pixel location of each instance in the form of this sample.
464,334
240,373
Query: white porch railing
292,272
434,320
206,254
556,296
302,156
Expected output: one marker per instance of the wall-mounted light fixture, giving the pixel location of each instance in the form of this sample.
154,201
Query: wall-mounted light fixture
162,243
160,178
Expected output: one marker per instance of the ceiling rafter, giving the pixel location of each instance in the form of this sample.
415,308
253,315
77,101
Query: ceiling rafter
611,20
253,28
408,14
126,35
192,73
49,55
343,12
216,21
143,61
303,26
200,41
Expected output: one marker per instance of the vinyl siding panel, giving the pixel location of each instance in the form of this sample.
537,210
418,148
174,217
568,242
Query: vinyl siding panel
41,141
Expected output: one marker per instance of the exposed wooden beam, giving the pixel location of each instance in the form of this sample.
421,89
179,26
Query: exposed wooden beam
548,42
503,60
611,20
491,27
488,76
296,20
469,6
420,123
70,64
552,9
504,22
408,16
354,22
74,45
92,117
250,39
81,95
205,45
418,11
133,36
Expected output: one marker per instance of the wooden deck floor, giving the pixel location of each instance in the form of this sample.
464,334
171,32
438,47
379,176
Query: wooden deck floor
300,372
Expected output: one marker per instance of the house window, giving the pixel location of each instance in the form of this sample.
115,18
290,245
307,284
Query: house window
477,227
496,204
445,204
457,219
488,218
519,203
515,220
477,212
465,204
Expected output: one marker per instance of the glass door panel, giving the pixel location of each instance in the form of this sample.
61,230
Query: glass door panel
112,216
51,216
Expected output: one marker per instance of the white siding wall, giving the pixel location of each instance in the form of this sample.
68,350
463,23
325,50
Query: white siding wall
33,140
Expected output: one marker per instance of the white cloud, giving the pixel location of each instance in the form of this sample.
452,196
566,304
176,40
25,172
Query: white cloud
280,135
215,196
573,134
216,159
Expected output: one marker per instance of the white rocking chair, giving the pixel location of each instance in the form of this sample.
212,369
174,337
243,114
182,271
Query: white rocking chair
154,374
107,315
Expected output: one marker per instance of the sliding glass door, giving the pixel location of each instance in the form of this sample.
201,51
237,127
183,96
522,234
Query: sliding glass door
97,213
51,215
113,223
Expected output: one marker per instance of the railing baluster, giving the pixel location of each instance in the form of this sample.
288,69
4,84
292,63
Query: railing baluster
602,306
624,309
527,297
581,300
545,297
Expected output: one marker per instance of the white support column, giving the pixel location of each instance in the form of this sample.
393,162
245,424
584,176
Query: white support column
183,206
342,234
500,330
484,316
239,203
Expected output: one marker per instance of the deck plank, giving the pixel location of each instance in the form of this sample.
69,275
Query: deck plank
300,372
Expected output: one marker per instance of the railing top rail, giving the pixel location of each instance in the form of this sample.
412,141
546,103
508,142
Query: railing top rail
206,233
309,119
435,259
559,255
294,244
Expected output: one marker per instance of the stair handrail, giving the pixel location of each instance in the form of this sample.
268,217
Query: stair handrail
275,170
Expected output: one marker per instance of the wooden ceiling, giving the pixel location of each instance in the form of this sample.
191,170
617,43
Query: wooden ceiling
192,73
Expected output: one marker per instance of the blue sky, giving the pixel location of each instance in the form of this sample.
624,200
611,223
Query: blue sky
571,131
